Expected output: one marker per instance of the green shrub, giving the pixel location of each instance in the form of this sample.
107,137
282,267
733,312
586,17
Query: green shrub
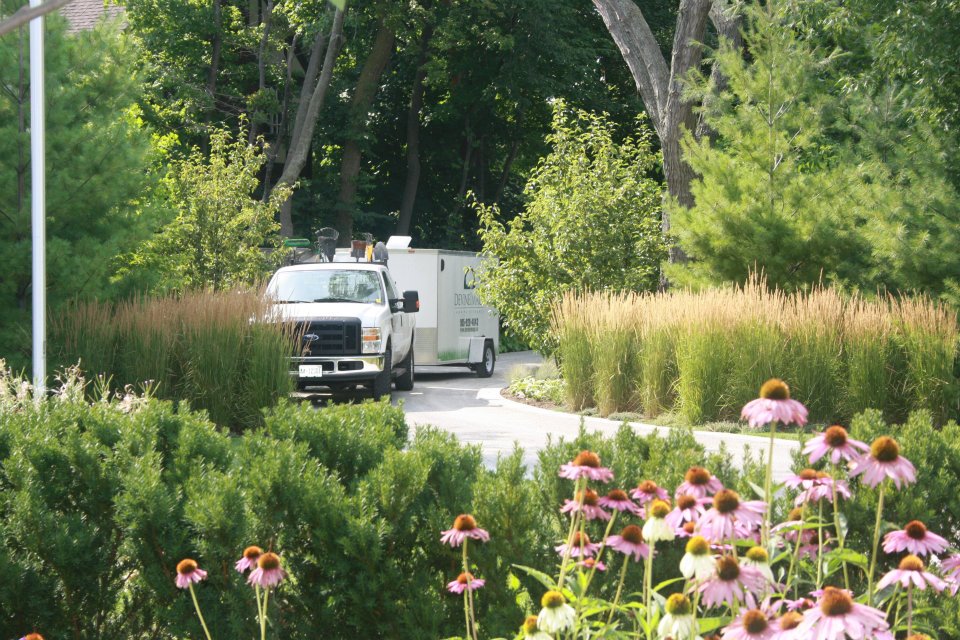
552,390
202,347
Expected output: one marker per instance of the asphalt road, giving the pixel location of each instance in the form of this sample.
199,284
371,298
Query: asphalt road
454,399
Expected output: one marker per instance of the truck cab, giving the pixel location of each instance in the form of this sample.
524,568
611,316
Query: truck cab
354,326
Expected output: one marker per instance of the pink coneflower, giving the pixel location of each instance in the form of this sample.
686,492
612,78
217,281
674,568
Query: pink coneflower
837,443
884,461
791,528
915,539
784,626
189,573
586,465
630,542
911,571
838,616
774,405
750,625
586,503
581,545
592,563
465,582
732,583
464,526
698,482
268,573
951,567
618,499
688,508
720,522
816,486
249,559
648,491
32,636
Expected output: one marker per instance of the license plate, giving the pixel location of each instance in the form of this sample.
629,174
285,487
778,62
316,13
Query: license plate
311,371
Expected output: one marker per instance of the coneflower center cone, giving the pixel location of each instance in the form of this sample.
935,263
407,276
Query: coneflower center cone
552,599
464,522
697,476
835,436
580,539
698,546
648,487
632,534
795,515
790,620
726,501
911,563
530,625
269,561
916,530
465,578
808,474
587,459
754,621
588,497
728,569
186,567
686,502
885,449
678,605
252,553
775,389
617,494
659,509
835,602
758,554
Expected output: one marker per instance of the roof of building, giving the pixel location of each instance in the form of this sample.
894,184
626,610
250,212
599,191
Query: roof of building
83,15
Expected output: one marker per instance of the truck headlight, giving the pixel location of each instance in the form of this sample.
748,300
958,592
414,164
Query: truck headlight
370,338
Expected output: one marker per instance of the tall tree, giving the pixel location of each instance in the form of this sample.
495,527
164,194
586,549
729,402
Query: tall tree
98,168
661,84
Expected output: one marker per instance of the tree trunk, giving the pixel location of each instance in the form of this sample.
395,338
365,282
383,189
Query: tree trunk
727,21
507,165
363,95
216,44
660,86
262,61
413,137
307,112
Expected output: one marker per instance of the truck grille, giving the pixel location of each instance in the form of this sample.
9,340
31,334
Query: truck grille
331,338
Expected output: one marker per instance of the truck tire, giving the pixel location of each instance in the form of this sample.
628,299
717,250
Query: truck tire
404,382
381,384
485,367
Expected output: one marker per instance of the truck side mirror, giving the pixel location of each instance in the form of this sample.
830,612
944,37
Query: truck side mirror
411,302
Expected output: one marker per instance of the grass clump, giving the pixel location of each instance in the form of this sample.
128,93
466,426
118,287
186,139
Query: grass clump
552,390
215,350
705,354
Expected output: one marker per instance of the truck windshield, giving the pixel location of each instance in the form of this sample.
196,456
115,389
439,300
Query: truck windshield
326,285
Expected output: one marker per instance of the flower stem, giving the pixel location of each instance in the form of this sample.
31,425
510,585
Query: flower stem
819,543
616,598
263,618
795,556
648,588
840,536
876,542
256,591
196,605
467,613
573,528
603,546
909,609
768,489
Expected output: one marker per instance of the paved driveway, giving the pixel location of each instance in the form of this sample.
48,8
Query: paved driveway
456,400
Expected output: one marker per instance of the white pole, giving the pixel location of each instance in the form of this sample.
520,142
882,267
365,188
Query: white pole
38,204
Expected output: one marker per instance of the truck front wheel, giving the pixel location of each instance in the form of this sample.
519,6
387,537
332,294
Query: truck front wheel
405,380
381,384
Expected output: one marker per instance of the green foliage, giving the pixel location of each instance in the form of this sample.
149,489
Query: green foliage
220,231
774,195
551,390
214,350
98,158
98,502
590,223
706,354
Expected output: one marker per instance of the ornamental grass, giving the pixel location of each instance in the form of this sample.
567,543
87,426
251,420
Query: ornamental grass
702,354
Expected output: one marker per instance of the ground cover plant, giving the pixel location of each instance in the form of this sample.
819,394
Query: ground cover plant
217,351
703,354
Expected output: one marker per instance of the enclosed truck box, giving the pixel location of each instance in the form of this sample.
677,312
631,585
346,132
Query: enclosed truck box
453,326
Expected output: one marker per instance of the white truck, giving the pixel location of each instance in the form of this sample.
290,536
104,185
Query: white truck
357,330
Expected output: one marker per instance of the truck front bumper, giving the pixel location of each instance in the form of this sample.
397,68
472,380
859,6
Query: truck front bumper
335,369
